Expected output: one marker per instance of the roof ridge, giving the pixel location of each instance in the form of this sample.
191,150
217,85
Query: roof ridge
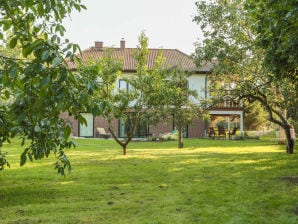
118,48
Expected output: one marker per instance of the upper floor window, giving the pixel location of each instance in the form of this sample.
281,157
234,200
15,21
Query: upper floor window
123,85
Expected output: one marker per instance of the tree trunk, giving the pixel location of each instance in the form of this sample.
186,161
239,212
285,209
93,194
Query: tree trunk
124,149
123,144
290,140
180,138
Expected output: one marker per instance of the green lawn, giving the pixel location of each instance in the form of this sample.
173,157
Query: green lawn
209,181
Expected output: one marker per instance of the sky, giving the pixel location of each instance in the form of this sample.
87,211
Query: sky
167,23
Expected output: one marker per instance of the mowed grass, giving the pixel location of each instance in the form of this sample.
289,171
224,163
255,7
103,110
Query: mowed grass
209,181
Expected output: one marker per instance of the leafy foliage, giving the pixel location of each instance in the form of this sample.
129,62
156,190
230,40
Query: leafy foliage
276,27
134,104
181,101
232,46
255,116
36,84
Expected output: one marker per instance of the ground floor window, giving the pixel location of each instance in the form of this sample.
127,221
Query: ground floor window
87,130
125,124
226,121
185,132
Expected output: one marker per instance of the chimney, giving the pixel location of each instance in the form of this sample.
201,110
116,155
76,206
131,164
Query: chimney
98,44
122,44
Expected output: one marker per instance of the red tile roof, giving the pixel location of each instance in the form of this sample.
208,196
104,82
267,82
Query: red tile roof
173,57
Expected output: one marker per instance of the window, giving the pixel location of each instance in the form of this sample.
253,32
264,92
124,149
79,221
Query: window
87,130
185,129
142,129
122,84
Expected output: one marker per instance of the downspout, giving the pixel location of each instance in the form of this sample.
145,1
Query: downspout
206,96
206,86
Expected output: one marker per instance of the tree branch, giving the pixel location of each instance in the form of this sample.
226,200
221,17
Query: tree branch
11,58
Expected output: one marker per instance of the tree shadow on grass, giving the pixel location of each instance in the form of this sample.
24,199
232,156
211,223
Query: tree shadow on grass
203,143
28,193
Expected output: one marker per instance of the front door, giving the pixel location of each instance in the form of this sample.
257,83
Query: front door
86,131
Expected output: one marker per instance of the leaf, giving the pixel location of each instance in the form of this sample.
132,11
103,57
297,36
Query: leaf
30,157
46,80
23,159
82,120
26,51
74,47
90,86
40,10
83,7
45,55
7,25
13,42
21,117
54,38
36,43
61,170
68,168
13,72
37,128
56,61
23,142
67,132
69,54
7,94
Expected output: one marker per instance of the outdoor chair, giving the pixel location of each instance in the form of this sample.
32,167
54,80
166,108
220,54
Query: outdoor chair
222,132
211,132
233,132
101,133
168,136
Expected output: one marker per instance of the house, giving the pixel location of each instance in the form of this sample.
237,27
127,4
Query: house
228,113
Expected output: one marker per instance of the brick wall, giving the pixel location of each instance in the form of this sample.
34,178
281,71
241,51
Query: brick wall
196,130
161,128
73,123
99,122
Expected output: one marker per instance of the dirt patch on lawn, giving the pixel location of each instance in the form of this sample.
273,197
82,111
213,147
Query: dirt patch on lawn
291,179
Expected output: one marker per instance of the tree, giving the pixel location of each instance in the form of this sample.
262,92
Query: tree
35,85
181,101
255,116
231,44
133,104
276,26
